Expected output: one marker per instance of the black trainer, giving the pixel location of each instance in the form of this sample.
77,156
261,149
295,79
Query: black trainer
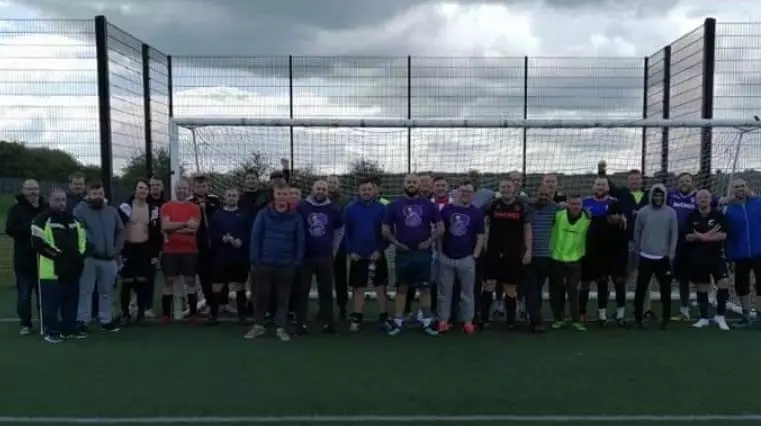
110,327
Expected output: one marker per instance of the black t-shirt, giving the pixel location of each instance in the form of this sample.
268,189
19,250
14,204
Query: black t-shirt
506,221
702,223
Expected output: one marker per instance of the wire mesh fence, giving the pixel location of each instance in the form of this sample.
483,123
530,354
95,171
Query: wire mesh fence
54,108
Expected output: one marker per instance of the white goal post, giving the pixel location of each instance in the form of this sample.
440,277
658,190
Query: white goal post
193,124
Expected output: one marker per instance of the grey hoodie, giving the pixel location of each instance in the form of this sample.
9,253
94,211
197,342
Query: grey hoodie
104,228
656,229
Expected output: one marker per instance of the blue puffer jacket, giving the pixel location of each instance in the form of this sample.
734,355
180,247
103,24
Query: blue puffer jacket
744,233
277,238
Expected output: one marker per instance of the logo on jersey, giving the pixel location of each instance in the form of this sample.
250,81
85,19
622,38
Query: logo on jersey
318,224
458,224
413,215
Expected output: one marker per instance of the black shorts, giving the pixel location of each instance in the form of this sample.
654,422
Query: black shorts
702,271
231,273
137,261
359,274
610,263
179,264
503,267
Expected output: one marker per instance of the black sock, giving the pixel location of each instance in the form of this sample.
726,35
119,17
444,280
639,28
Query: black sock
125,299
193,303
510,309
703,304
583,301
166,305
620,293
213,303
487,298
722,295
382,317
603,294
241,302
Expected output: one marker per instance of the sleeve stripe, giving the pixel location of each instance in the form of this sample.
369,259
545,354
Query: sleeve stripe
38,232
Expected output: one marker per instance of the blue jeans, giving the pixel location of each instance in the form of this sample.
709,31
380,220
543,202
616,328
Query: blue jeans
26,284
101,275
59,306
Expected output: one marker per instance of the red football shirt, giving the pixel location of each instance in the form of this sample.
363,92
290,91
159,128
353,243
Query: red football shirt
180,211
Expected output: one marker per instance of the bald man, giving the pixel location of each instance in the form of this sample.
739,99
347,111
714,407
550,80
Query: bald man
743,242
322,221
18,226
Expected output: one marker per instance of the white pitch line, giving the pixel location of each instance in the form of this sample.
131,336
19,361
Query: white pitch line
506,418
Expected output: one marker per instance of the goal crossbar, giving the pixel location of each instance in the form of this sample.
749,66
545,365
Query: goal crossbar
194,122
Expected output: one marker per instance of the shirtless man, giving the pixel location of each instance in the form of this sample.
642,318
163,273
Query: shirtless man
141,249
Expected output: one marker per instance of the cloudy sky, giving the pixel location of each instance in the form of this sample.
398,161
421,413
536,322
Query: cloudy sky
467,63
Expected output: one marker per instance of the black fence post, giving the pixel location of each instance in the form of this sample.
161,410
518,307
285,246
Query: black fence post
644,115
524,164
409,113
666,114
170,86
146,53
104,104
706,107
290,108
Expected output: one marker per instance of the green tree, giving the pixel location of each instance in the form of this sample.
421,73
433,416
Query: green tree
21,161
137,168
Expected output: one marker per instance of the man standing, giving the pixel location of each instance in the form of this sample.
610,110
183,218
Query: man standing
365,245
277,250
606,255
412,224
76,190
550,182
105,240
322,221
568,243
208,203
142,243
706,235
656,233
18,226
743,244
60,242
683,201
631,198
156,199
229,230
461,245
180,220
543,217
255,196
340,200
509,249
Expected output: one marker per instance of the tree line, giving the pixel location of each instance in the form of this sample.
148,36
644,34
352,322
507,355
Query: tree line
20,161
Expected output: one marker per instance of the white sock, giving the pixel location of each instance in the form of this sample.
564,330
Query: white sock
620,312
602,314
684,310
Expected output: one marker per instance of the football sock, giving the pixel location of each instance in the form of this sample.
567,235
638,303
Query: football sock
703,304
583,301
603,294
240,302
722,295
193,304
166,305
620,312
213,303
510,306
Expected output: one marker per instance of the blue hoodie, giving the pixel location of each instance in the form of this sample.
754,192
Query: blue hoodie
277,238
321,221
744,229
363,223
237,223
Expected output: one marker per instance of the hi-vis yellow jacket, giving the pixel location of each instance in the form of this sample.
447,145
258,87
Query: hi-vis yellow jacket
60,241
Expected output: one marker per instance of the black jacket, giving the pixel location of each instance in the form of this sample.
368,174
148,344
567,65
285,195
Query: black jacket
628,204
212,204
18,226
72,200
155,237
67,257
252,202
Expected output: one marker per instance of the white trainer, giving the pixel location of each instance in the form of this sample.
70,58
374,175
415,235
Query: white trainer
721,322
701,323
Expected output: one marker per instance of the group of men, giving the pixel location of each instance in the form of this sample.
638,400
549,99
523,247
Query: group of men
465,252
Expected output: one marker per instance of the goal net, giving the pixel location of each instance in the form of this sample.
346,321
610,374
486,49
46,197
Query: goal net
482,151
